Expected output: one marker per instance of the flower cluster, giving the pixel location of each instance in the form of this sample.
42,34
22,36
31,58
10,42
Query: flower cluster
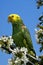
39,38
19,56
39,35
5,43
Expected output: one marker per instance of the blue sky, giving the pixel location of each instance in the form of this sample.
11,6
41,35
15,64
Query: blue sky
29,13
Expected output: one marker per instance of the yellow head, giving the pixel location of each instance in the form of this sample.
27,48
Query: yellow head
14,18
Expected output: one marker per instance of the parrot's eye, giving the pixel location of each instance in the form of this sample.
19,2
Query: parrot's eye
12,16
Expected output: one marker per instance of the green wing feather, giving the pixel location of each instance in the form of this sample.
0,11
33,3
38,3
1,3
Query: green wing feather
28,40
27,37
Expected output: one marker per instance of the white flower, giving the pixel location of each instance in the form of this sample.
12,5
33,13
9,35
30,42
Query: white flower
24,58
39,31
23,49
10,41
38,36
4,38
16,50
17,60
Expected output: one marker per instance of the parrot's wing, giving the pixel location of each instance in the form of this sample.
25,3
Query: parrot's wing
27,37
28,40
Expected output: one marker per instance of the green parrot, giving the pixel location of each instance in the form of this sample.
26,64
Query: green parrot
20,33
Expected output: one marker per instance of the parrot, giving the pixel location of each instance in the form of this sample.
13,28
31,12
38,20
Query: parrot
20,33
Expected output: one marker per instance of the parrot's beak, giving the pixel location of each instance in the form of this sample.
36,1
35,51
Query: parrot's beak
9,19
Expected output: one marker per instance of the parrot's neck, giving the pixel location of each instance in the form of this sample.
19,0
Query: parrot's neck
16,27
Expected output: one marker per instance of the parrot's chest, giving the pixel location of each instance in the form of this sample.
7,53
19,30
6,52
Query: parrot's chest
18,39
